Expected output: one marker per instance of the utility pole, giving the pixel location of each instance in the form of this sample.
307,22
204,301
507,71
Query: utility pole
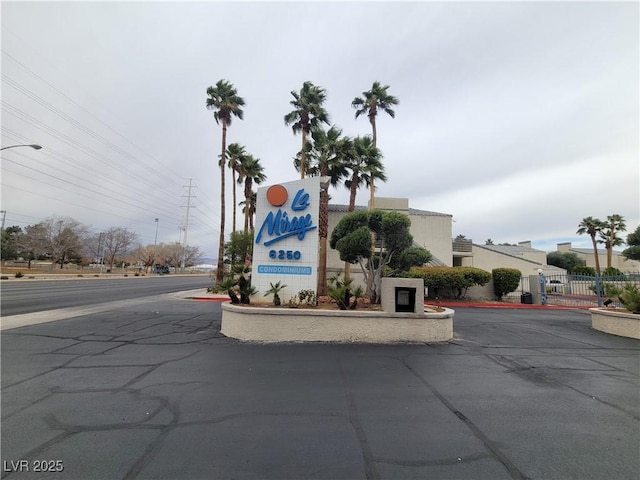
4,215
186,224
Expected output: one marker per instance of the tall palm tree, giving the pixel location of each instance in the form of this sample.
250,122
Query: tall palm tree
223,99
609,234
591,226
308,112
372,101
365,165
235,152
329,152
250,171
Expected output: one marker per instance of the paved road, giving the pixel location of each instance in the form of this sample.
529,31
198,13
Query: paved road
26,296
155,391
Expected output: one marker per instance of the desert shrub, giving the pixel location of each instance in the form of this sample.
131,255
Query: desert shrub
19,275
505,280
450,281
630,297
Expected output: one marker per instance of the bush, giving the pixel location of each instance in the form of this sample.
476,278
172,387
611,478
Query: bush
612,272
450,281
19,275
505,280
584,270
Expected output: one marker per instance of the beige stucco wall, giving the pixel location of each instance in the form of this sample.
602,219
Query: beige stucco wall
617,259
488,260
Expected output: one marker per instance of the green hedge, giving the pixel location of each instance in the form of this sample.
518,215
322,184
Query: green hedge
450,281
505,280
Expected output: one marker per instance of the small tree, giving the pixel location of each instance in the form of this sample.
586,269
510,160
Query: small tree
505,280
352,237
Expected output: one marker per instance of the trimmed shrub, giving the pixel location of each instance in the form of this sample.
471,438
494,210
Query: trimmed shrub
505,280
19,275
584,270
450,281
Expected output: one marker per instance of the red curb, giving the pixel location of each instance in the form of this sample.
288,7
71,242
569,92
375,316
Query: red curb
509,305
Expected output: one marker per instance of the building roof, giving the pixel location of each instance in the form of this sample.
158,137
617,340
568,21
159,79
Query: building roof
513,250
589,251
410,211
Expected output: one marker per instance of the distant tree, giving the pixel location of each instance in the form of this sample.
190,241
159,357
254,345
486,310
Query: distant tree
566,260
371,103
633,241
488,241
591,226
11,243
308,112
59,238
352,238
461,237
224,100
609,234
145,255
117,242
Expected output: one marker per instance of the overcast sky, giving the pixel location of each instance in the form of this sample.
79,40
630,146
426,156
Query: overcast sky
518,118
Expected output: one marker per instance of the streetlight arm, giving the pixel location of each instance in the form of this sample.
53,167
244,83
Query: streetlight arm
34,146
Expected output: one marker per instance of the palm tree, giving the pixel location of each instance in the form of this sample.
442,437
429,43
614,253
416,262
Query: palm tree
370,104
235,152
609,234
250,171
224,100
329,152
308,112
591,226
365,164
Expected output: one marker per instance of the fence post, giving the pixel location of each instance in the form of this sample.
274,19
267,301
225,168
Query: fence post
599,289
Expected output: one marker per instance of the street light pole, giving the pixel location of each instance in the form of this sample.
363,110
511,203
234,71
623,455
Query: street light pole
33,145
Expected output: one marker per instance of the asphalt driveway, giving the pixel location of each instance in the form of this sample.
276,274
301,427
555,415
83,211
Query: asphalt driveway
153,390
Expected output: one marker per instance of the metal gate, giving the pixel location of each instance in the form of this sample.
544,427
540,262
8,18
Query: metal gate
581,291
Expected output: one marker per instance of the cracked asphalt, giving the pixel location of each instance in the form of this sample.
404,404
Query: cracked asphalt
154,391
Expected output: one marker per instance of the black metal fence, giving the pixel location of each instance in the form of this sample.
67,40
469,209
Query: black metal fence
580,290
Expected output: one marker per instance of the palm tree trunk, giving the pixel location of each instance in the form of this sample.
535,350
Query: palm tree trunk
233,176
220,269
595,253
323,232
247,203
303,156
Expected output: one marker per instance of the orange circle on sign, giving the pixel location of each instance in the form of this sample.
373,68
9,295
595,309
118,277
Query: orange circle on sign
277,195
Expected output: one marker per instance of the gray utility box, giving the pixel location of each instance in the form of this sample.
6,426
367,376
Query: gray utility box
402,295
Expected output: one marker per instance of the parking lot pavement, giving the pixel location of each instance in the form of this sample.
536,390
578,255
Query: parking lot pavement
155,391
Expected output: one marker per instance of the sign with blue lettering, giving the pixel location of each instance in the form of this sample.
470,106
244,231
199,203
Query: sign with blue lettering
286,237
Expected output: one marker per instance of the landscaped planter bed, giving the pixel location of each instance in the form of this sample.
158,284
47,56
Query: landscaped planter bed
616,322
268,324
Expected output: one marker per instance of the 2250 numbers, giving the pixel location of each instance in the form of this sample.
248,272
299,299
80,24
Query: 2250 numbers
285,254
